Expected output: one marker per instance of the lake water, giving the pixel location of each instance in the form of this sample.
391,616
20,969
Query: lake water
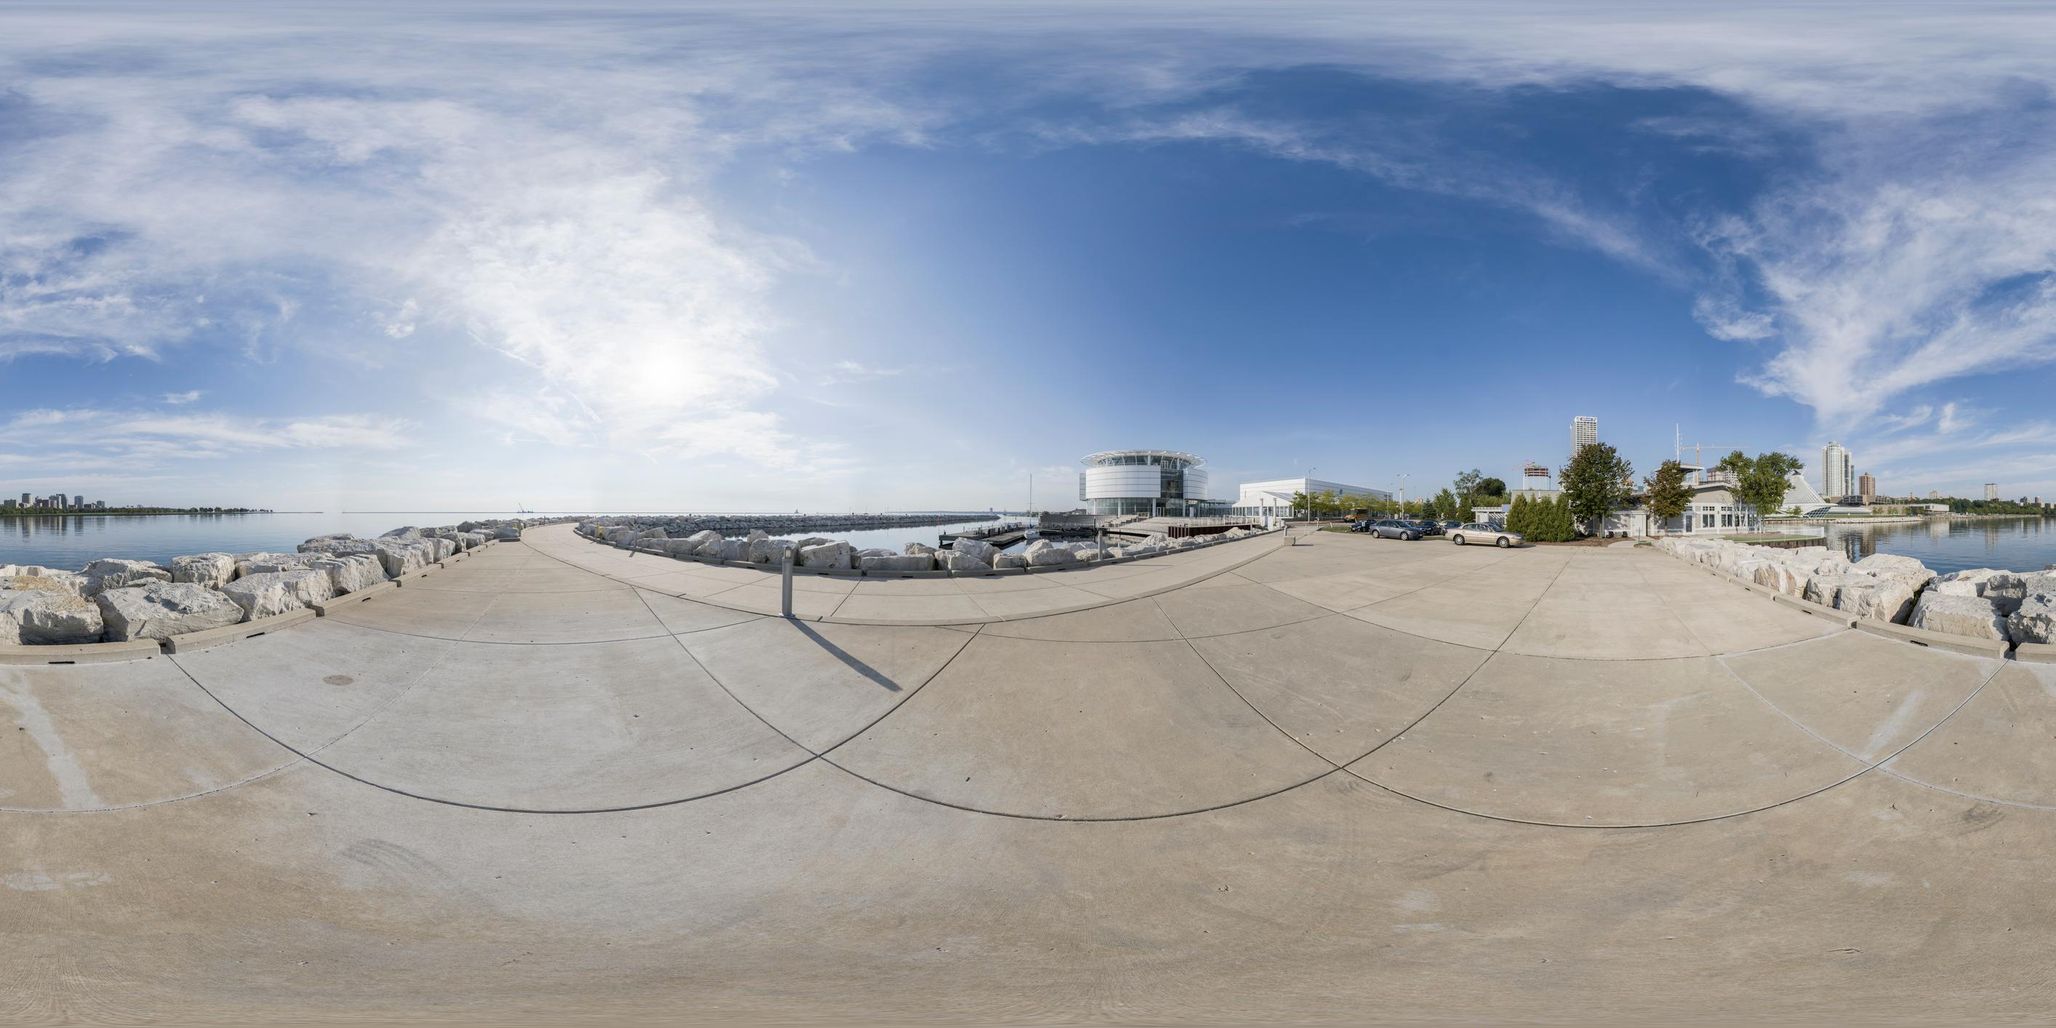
2015,544
69,541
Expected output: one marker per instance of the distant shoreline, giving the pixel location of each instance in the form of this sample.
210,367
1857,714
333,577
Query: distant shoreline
142,513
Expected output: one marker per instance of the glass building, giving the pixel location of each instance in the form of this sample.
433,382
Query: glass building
1145,482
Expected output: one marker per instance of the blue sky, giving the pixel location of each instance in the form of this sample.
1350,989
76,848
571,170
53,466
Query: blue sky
909,256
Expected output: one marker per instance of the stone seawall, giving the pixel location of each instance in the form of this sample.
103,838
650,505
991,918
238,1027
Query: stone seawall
826,555
118,600
2007,608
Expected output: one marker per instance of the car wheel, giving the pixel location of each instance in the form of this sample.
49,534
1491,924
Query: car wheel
1504,542
1457,539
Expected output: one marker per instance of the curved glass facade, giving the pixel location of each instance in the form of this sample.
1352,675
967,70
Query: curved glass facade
1144,482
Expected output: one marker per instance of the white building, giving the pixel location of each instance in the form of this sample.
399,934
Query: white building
1260,498
1837,472
1584,432
1152,482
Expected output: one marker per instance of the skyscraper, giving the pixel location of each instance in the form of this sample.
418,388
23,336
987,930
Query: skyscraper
1991,490
1866,487
1836,473
1584,432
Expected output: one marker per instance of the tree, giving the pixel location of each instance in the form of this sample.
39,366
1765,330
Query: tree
1669,496
1595,484
1491,487
1518,518
1450,505
1466,491
1763,481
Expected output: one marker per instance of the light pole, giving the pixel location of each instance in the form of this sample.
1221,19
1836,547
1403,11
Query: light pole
1400,483
1309,484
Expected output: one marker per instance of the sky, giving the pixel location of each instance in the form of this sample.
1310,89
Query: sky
634,257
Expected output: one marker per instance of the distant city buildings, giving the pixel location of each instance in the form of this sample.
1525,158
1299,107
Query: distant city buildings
1837,472
1991,490
1584,432
1866,487
54,501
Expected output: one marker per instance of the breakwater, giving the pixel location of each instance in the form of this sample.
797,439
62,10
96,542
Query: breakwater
682,525
963,555
2007,608
120,600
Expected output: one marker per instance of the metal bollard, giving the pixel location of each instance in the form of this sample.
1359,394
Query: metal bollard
785,583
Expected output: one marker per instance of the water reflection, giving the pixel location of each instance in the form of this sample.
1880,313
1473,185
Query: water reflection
1955,544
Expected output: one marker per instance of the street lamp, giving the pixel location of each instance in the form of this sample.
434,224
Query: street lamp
1309,484
1400,484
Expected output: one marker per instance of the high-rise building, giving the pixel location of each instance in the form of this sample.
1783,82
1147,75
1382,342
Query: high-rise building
1866,487
79,500
1991,490
1584,432
1837,478
28,499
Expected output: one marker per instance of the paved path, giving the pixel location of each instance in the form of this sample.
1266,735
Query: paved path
1345,779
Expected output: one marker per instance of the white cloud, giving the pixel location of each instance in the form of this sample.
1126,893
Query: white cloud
546,187
155,438
179,399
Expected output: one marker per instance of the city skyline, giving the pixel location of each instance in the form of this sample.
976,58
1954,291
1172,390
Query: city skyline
718,259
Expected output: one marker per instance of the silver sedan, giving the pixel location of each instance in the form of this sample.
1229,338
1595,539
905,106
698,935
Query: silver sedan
1464,535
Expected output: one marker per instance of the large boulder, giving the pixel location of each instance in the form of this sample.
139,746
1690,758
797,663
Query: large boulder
470,540
960,562
1782,577
266,563
163,609
400,556
832,556
1955,614
351,572
2034,621
507,533
1042,553
1964,583
1008,561
278,592
47,617
898,562
976,549
919,550
212,570
1826,589
763,549
1881,599
18,576
116,573
2009,590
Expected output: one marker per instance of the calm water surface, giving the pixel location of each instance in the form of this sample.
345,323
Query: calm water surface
2015,544
69,541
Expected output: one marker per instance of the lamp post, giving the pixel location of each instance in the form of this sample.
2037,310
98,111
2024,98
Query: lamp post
1309,484
1400,483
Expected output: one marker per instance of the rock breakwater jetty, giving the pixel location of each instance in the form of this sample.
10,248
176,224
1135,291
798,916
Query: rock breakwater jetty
1991,605
118,600
756,545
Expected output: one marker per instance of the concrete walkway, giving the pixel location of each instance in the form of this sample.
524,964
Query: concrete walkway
1352,778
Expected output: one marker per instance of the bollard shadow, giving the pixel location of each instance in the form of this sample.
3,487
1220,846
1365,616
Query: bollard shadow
845,656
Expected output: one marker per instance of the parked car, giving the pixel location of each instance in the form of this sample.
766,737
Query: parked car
1464,535
1429,528
1448,526
1392,528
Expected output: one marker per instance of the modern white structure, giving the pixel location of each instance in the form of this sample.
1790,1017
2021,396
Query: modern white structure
1837,472
1256,499
1584,432
1144,482
1991,490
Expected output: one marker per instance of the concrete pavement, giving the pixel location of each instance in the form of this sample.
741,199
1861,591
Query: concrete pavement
1349,779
